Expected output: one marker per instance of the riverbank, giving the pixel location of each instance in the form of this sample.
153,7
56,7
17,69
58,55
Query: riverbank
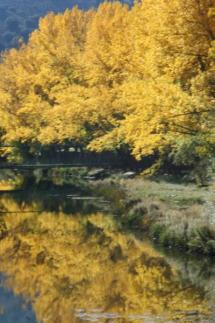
174,215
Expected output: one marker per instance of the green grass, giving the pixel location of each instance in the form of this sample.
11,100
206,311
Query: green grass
178,215
173,194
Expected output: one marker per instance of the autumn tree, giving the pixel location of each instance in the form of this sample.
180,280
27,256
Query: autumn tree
35,77
140,78
169,93
107,58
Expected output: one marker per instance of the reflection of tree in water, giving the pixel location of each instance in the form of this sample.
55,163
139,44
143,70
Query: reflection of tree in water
47,193
198,271
68,200
65,265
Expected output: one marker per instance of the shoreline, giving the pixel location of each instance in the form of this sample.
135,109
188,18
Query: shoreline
179,216
173,215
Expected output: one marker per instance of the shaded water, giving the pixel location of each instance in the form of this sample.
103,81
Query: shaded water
65,258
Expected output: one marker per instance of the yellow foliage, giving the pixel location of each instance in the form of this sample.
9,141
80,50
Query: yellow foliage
141,77
107,46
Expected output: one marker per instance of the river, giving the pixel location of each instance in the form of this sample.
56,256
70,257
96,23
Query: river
64,258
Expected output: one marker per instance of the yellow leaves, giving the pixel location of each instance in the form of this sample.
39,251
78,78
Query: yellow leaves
153,110
171,38
156,109
64,121
35,76
116,76
107,47
109,141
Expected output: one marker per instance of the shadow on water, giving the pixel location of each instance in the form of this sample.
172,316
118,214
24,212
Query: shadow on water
199,271
64,191
65,258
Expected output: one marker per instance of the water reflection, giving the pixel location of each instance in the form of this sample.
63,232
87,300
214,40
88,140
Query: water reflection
74,264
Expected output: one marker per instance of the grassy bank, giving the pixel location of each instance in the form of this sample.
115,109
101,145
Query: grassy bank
174,215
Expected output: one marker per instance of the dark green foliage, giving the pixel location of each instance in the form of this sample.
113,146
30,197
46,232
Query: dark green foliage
136,217
190,155
201,240
156,230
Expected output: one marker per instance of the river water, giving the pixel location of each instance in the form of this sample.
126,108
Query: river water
65,258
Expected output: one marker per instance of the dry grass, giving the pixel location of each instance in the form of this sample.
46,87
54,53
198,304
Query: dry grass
183,216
